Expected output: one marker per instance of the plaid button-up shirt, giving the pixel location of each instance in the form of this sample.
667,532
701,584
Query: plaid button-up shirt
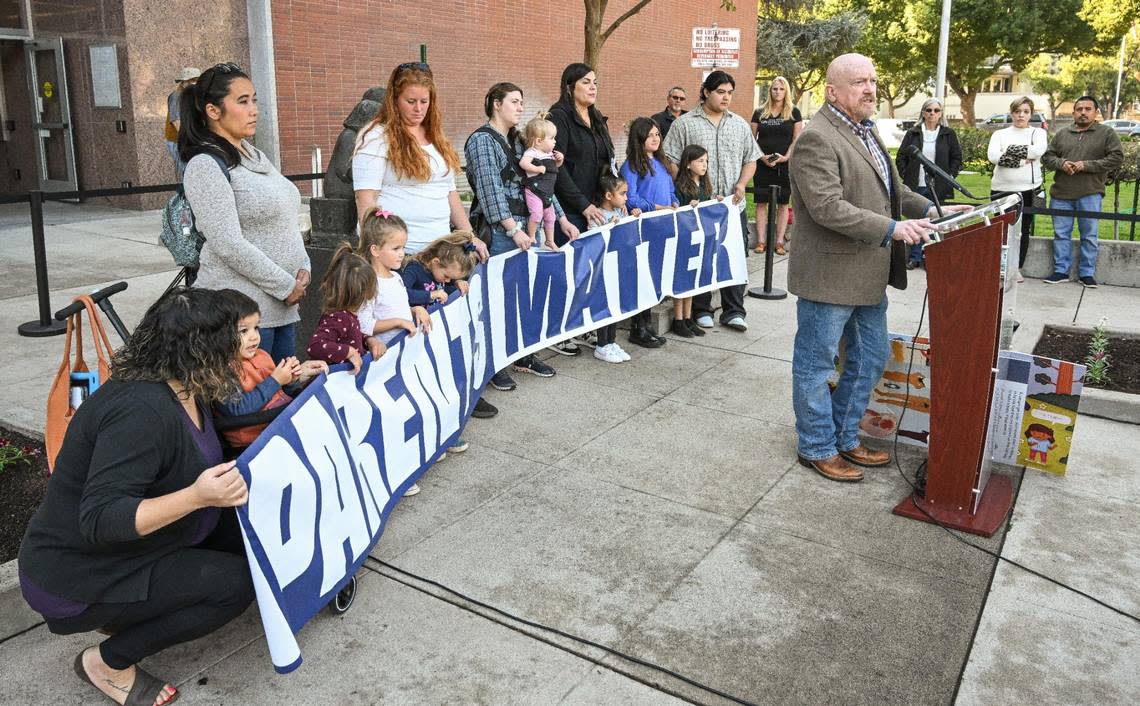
485,164
863,130
729,143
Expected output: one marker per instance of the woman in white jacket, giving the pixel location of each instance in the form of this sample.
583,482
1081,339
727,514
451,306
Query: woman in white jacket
1016,154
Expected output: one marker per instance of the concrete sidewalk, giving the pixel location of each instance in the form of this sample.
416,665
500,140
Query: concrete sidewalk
656,508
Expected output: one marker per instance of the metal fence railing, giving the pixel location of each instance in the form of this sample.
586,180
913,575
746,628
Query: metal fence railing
46,325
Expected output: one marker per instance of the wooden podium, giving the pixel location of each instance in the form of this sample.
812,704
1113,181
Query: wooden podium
965,282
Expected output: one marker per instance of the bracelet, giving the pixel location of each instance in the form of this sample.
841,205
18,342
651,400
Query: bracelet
517,229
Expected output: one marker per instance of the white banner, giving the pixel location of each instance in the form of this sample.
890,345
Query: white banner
325,475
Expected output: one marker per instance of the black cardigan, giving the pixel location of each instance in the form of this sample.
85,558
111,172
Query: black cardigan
587,151
947,154
127,442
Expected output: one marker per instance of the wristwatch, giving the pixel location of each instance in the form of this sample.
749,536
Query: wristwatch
518,228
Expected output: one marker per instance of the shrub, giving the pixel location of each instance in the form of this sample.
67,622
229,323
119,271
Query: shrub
974,143
1130,169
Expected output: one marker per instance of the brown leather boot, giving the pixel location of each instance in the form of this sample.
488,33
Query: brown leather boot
834,468
863,456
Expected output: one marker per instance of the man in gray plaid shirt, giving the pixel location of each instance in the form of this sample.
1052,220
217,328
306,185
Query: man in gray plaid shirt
732,162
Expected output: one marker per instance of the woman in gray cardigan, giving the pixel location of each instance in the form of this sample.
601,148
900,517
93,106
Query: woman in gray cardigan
242,205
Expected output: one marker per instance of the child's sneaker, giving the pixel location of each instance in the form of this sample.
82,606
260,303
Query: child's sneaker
459,446
608,353
414,489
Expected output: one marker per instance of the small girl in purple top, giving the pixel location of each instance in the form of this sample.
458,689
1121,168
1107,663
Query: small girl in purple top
349,283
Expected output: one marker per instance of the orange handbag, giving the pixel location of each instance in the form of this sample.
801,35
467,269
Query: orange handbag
59,404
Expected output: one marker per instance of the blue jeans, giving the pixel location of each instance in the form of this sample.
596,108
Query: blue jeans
827,423
916,255
279,342
179,165
1063,235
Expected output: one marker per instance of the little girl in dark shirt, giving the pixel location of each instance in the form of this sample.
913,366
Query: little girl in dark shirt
432,274
349,282
692,185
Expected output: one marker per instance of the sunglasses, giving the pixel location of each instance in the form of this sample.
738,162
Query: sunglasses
214,71
414,66
933,110
677,98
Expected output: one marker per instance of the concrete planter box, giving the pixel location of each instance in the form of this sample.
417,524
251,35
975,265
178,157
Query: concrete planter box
1118,406
1118,261
15,615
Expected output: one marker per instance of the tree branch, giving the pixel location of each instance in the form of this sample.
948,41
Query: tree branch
623,17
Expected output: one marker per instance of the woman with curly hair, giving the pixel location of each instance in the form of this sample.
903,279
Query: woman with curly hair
404,164
131,539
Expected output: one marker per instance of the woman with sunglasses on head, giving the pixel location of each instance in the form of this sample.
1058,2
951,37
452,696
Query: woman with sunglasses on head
939,143
775,125
245,208
404,164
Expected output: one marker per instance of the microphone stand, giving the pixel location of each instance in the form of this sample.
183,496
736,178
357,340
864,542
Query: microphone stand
931,185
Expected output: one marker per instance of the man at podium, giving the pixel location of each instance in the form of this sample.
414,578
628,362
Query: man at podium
850,236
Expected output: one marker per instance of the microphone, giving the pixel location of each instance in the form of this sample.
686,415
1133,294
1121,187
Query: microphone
914,151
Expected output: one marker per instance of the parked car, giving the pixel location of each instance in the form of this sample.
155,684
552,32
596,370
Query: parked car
1124,127
997,121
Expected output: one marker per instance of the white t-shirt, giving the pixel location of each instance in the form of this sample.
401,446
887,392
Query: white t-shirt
390,302
422,204
929,142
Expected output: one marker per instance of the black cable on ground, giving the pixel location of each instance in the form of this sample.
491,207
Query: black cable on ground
568,636
916,494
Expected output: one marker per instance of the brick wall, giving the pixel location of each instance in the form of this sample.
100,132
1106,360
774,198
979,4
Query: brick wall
327,55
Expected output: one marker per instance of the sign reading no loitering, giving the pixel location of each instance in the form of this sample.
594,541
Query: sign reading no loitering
716,47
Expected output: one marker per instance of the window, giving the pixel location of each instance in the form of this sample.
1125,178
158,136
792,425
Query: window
14,19
998,84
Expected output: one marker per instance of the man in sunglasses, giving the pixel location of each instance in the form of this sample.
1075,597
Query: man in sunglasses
674,102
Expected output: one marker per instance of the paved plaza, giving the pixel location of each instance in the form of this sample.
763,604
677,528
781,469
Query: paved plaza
656,508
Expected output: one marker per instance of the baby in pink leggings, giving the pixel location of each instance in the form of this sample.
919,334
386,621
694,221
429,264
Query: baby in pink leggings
541,170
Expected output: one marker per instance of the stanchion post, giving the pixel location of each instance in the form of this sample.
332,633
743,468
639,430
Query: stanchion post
46,325
767,291
316,185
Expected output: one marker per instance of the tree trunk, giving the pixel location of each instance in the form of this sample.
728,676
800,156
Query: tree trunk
966,96
595,11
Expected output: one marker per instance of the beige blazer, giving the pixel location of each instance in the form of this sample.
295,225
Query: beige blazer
843,210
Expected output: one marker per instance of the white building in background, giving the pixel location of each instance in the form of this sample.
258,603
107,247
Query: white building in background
997,92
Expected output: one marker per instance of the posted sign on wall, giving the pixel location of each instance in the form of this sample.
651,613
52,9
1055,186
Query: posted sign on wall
717,47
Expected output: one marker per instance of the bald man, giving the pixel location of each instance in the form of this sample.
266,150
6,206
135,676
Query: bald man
849,202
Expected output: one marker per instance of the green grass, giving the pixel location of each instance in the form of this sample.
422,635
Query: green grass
1043,225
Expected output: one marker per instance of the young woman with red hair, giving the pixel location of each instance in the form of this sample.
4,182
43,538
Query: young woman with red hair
404,163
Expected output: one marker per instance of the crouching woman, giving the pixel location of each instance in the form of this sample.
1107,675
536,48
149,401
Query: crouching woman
132,539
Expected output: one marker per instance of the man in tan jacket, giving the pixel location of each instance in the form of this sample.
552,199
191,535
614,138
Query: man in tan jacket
849,201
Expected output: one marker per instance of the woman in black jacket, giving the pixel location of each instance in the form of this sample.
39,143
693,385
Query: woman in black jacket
584,140
131,538
939,143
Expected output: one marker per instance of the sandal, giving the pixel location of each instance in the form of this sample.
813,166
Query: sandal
143,692
759,248
780,250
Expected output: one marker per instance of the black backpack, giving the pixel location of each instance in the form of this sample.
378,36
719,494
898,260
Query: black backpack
511,173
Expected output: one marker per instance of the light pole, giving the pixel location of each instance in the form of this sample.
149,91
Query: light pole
1119,75
943,47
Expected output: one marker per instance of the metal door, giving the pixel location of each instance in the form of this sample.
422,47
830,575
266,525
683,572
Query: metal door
51,115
